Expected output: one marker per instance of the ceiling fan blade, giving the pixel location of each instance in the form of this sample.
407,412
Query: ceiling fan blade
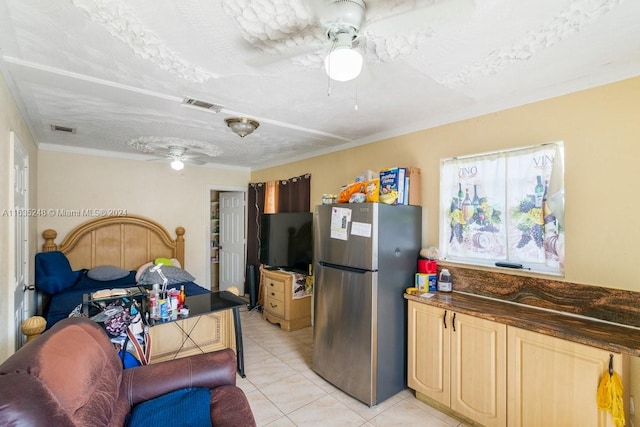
185,161
318,8
193,161
263,59
431,14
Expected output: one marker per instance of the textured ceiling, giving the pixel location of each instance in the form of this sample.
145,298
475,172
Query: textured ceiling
118,71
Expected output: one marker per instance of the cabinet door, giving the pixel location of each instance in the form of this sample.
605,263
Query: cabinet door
428,351
478,369
553,382
193,335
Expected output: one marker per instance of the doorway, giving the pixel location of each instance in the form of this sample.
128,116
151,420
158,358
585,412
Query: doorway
22,297
227,242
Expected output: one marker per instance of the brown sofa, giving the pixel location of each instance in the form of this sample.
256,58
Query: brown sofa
72,376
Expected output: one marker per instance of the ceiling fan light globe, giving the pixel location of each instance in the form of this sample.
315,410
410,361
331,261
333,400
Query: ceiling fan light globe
177,164
343,64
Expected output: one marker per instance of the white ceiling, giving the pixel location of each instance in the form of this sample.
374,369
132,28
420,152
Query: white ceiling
118,70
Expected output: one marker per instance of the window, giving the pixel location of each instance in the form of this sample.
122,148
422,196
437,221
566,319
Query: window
506,206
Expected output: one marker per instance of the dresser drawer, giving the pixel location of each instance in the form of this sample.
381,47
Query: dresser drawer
274,306
278,305
274,289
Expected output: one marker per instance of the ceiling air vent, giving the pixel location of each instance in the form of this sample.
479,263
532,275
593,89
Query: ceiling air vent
57,128
196,103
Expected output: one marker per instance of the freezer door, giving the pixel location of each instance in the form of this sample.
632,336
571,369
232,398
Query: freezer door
343,343
344,245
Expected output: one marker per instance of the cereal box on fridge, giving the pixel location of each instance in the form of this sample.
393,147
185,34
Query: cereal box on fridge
392,185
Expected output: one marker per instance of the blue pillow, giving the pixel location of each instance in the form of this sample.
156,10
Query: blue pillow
187,407
54,273
105,273
86,283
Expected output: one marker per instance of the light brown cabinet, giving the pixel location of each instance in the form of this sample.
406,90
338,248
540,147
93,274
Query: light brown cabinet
458,361
553,382
279,305
496,375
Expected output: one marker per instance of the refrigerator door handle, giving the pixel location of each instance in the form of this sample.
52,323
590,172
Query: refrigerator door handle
343,267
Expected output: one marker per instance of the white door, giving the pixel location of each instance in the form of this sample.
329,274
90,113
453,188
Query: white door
22,306
232,240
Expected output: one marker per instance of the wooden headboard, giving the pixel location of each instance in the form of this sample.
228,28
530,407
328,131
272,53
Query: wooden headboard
124,241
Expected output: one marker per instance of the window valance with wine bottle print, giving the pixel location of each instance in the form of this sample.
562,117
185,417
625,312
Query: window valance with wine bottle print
506,206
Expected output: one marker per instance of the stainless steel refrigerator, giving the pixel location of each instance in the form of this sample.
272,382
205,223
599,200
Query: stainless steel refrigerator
365,255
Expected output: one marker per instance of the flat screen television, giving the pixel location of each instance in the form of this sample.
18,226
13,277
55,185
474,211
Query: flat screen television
286,240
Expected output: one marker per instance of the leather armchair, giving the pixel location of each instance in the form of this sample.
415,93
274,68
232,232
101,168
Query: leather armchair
72,376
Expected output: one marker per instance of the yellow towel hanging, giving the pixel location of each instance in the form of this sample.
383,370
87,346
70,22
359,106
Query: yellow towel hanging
610,395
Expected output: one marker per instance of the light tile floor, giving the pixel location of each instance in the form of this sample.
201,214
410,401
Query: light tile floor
283,390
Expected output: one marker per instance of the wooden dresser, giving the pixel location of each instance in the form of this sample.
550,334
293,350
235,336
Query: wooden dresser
279,305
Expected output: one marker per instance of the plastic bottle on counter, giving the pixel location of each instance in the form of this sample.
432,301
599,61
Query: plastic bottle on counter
181,297
445,284
163,304
153,303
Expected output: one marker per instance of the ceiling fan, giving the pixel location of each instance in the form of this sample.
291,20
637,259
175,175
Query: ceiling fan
176,150
342,31
178,158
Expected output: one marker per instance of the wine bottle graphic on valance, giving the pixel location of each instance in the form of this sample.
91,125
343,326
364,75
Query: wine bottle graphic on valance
496,207
533,231
475,216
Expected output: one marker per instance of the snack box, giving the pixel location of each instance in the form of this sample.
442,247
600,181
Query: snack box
392,183
413,186
426,282
401,186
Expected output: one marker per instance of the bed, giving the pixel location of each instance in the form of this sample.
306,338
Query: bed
126,244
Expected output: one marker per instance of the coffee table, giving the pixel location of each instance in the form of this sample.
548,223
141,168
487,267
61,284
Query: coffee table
209,303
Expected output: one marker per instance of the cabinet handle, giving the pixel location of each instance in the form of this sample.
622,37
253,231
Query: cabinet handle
273,305
444,319
453,322
273,294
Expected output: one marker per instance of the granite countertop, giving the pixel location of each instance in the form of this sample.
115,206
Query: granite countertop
596,333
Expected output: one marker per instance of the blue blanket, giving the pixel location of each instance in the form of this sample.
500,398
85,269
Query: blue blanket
63,303
187,407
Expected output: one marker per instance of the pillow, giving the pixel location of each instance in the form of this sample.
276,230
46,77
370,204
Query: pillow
141,270
187,407
143,267
163,261
54,273
88,284
107,272
174,276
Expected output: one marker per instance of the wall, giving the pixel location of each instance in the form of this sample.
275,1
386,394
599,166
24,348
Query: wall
599,127
152,189
11,120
